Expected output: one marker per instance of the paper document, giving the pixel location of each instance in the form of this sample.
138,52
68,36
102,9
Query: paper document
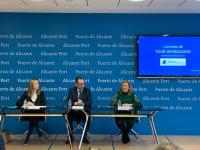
124,108
77,107
34,107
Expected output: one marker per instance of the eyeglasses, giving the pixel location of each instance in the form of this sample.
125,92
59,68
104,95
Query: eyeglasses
80,83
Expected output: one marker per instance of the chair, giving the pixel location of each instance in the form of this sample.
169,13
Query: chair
2,143
135,134
42,118
78,124
80,127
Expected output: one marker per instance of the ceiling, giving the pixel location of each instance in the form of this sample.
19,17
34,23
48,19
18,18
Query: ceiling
101,6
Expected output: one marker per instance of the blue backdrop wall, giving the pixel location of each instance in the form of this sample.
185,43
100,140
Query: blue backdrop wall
102,48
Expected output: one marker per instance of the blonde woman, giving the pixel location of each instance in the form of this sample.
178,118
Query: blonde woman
126,97
34,97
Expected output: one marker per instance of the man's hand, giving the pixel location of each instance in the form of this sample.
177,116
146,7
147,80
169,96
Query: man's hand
79,102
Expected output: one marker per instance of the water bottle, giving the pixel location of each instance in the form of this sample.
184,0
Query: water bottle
69,104
119,103
25,104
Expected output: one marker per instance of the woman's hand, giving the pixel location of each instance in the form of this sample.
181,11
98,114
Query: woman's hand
126,105
30,104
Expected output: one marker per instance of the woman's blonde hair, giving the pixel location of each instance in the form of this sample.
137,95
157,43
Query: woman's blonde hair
30,87
129,84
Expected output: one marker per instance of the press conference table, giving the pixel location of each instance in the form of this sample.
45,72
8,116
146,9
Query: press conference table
97,111
107,111
13,111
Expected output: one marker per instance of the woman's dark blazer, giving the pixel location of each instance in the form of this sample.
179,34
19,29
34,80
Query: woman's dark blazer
40,101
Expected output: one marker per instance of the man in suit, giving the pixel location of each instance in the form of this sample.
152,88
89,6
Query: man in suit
79,95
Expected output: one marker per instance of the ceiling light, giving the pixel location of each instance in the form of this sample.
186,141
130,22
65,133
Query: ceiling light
165,35
136,0
37,0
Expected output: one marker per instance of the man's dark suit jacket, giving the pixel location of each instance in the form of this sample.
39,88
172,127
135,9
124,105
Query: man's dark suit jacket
85,96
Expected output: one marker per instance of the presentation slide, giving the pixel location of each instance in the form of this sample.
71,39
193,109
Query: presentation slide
169,56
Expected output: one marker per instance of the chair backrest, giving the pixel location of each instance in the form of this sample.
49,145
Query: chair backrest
138,119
